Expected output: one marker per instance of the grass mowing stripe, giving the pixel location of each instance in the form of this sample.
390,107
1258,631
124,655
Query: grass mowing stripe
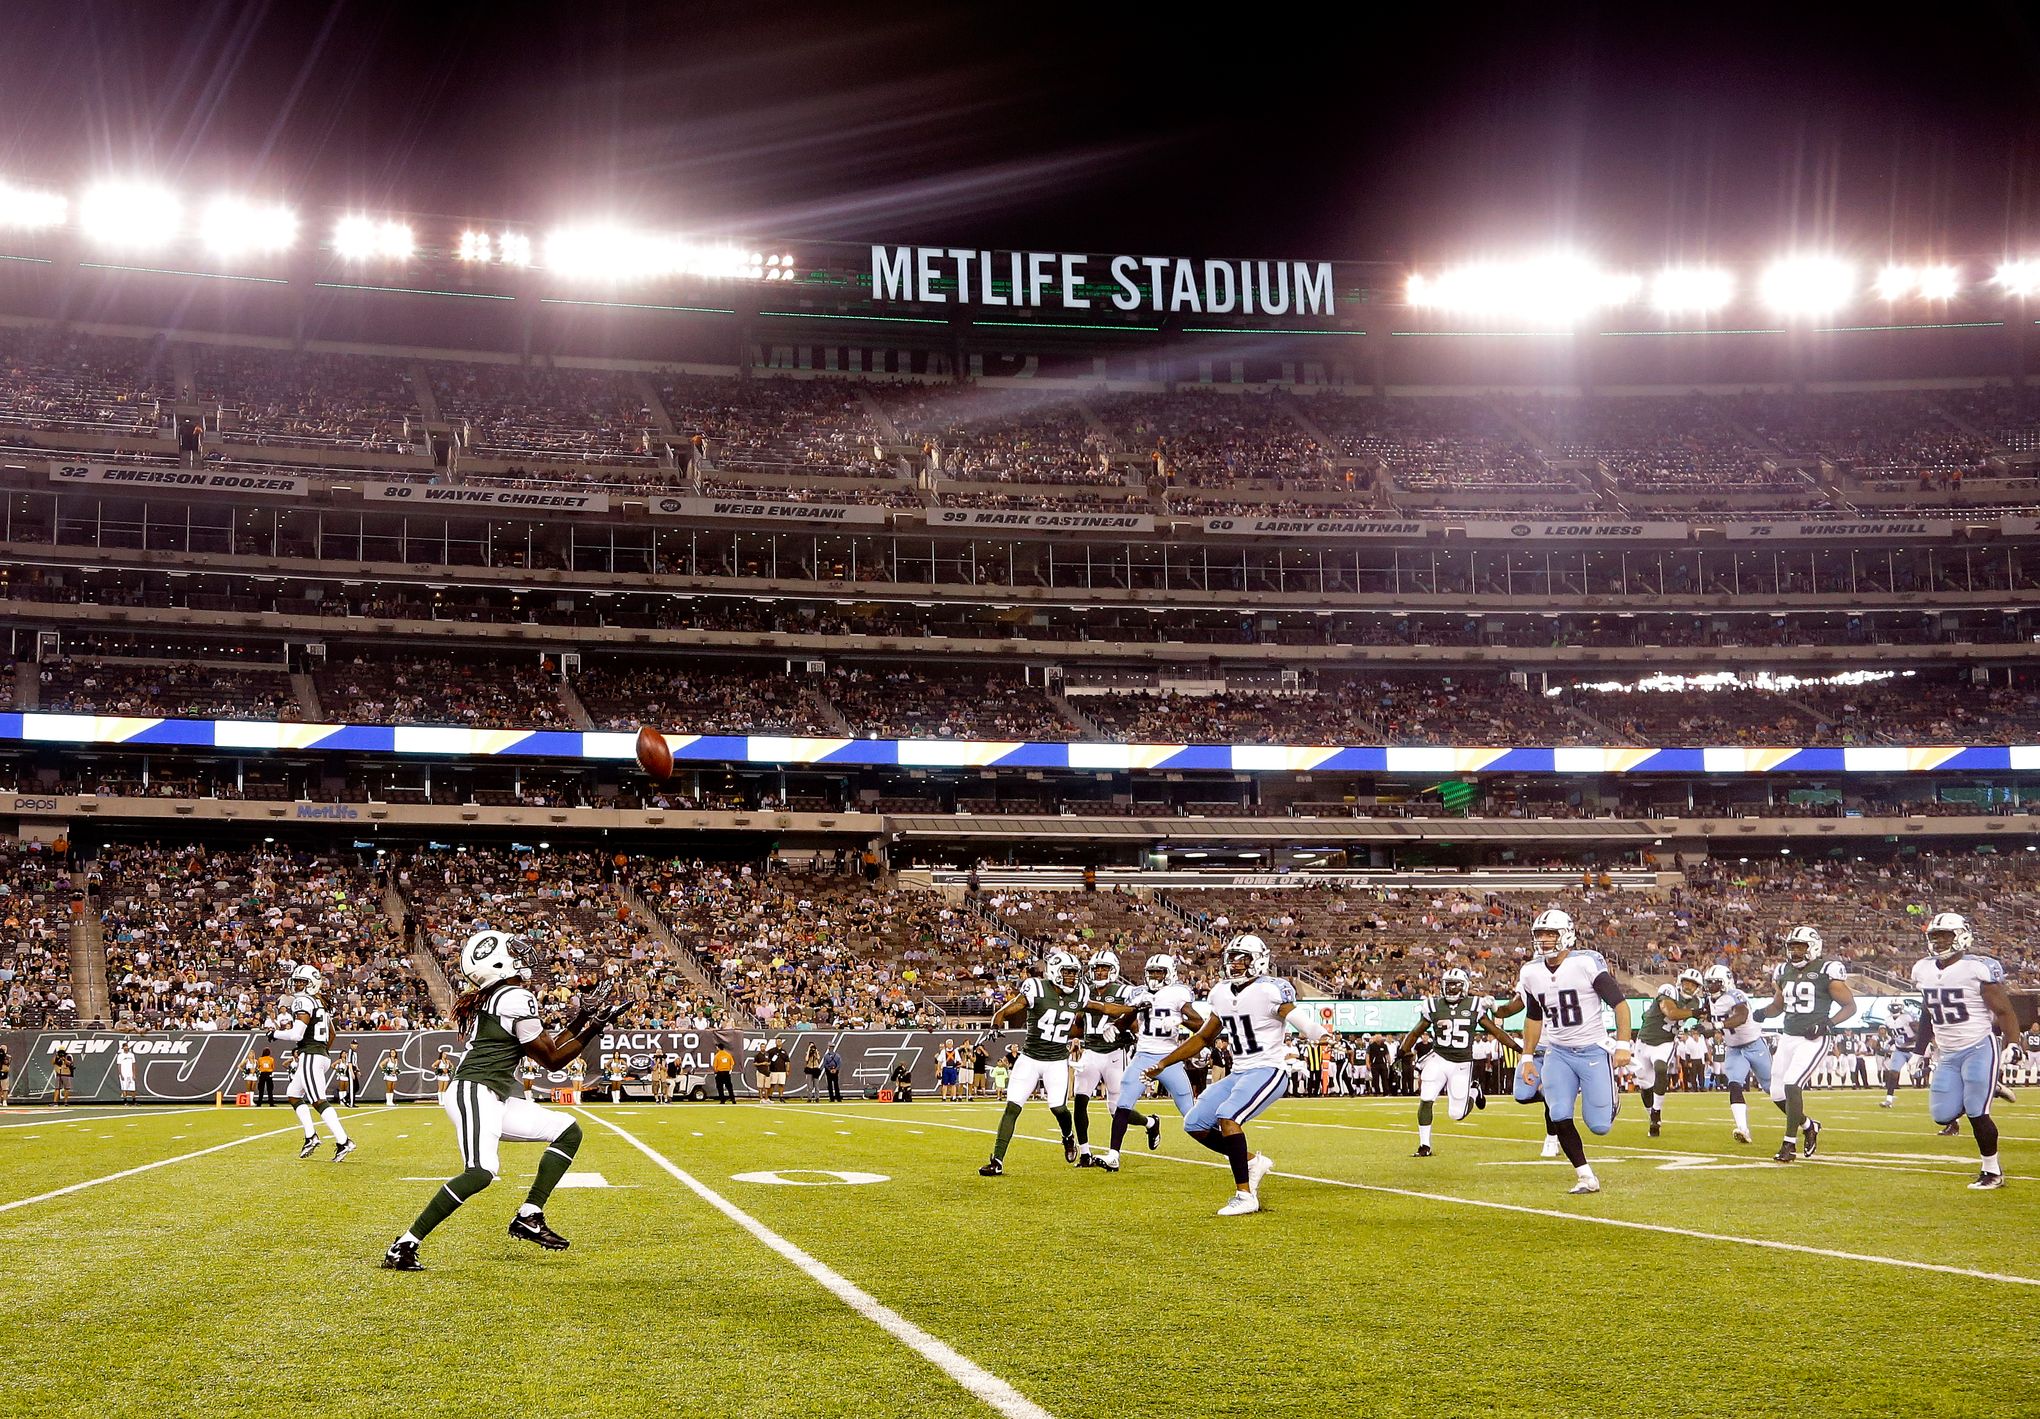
1482,1202
144,1168
109,1117
995,1392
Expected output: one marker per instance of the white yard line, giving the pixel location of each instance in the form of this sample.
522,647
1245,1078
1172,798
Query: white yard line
55,1119
986,1386
145,1168
1559,1215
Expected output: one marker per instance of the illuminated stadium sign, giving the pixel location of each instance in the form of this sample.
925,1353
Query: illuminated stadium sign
939,275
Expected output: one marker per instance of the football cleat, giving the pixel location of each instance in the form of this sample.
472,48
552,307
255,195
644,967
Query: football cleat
1887,1103
993,1169
534,1229
1154,1131
1986,1181
1586,1184
311,1147
1085,1160
1811,1133
1742,1135
343,1150
1654,1128
1950,1129
1479,1099
1070,1151
402,1256
1550,1149
1258,1167
1999,1091
1109,1162
1423,1151
1786,1152
1242,1203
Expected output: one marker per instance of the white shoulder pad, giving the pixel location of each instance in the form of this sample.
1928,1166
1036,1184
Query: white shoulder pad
1993,969
1834,970
1285,993
516,1004
1030,989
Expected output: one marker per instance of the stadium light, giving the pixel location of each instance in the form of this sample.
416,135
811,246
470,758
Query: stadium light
366,238
513,249
1558,289
2019,278
136,215
29,209
475,246
1808,285
609,252
235,226
1929,283
1692,290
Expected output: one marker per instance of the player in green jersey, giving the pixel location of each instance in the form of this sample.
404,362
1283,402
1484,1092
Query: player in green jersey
1814,996
1451,1018
1107,1047
499,1018
1053,1004
306,1023
1653,1062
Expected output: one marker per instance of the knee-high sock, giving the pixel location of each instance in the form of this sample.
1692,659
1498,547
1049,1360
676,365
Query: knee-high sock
304,1116
1890,1077
1985,1129
1211,1138
1123,1119
1236,1151
1550,1124
448,1200
1650,1099
1007,1120
1083,1122
553,1164
1795,1111
1063,1120
1569,1139
1426,1110
331,1116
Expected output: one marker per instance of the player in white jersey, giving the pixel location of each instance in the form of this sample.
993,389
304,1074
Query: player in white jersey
124,1060
1566,1060
1164,1008
1254,1008
1902,1031
1964,997
308,1024
1747,1057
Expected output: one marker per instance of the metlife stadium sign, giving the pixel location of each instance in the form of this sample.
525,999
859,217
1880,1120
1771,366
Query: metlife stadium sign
1057,280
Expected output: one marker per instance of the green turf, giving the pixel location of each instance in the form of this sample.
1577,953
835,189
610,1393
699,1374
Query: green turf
245,1279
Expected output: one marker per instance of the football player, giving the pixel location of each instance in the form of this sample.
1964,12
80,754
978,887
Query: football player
1254,1008
1803,988
1451,1018
1747,1056
1963,996
1165,1007
1106,1047
1564,1058
498,1017
1654,1064
308,1024
1053,1004
1902,1034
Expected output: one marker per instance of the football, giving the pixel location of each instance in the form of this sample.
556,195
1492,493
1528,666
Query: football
654,754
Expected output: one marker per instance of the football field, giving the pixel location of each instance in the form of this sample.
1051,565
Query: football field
164,1261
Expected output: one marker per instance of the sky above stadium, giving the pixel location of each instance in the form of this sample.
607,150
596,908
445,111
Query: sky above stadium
1335,133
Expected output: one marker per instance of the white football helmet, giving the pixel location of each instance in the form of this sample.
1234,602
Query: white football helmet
1803,946
489,957
1718,979
1551,919
1106,962
1062,970
1244,959
307,980
1948,935
1159,971
1453,984
1690,983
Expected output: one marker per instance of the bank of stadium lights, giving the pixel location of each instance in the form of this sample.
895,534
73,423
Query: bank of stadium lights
1927,283
28,209
136,216
2018,278
359,238
1807,286
1691,290
238,226
601,251
498,248
1543,290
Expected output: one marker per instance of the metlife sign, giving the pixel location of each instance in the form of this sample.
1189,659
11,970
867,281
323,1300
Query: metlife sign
1060,280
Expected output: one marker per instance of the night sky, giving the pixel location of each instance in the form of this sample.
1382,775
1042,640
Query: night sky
1176,130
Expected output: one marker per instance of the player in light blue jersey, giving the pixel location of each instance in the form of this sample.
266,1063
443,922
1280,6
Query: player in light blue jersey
1902,1028
1254,1008
1748,1056
1964,997
1163,1009
1566,1060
